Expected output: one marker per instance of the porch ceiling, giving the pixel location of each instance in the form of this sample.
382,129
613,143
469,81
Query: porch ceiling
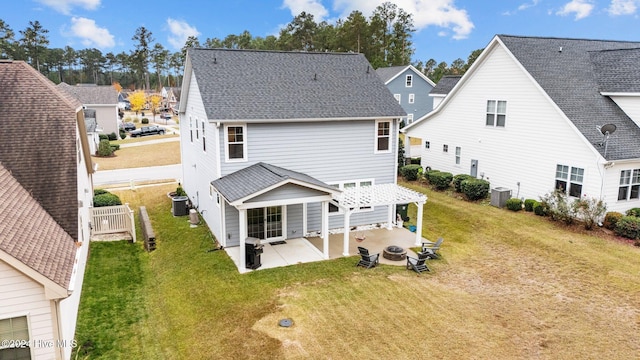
382,194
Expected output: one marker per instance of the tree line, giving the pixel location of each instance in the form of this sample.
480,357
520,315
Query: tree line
385,39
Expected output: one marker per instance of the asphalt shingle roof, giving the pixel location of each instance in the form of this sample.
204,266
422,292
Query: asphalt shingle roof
446,83
388,73
257,177
255,85
571,72
92,94
39,171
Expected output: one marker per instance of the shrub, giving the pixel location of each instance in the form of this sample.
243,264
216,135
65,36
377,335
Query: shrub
633,212
514,204
123,134
541,208
629,227
475,189
558,207
458,179
145,120
429,173
611,219
589,210
411,172
107,199
180,191
115,146
528,204
104,148
103,137
99,192
112,136
441,180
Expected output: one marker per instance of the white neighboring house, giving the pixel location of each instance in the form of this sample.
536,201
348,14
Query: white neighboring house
45,194
101,98
529,115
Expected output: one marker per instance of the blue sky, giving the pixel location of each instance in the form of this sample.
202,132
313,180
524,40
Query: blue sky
446,29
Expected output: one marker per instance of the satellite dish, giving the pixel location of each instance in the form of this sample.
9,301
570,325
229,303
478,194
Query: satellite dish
608,129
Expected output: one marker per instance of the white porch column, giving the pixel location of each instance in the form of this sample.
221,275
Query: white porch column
390,218
325,229
304,219
243,236
419,223
345,250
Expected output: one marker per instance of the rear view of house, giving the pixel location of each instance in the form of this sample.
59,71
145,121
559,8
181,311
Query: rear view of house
270,139
45,195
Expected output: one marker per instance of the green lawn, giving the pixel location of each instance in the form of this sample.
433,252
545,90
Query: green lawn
509,286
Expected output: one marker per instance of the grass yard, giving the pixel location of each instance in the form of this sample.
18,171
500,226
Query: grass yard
167,153
509,286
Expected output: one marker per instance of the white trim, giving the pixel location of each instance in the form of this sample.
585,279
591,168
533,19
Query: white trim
629,94
375,139
412,98
418,72
283,202
245,141
409,118
358,184
51,289
26,314
241,201
406,80
398,97
303,120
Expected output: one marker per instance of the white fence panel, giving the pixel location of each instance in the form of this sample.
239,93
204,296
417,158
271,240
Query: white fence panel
113,219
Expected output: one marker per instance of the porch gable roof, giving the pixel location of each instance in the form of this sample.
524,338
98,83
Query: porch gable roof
254,180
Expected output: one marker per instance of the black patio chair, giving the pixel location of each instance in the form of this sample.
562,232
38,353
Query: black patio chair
367,260
431,249
418,265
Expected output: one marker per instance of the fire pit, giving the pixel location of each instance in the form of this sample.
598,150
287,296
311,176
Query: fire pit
394,253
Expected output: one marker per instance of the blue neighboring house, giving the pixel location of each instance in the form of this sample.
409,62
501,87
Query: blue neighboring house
410,88
280,145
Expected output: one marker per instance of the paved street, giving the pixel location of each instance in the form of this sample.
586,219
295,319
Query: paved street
125,176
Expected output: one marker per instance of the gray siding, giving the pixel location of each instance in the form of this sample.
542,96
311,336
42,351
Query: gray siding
423,102
287,191
232,225
294,221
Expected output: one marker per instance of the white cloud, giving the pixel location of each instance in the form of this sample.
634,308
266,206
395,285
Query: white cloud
622,7
91,34
65,6
313,7
179,32
581,8
440,13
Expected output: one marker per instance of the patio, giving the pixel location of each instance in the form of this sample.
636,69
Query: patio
302,250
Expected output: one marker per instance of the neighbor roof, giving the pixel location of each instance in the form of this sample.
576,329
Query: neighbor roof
38,140
256,85
617,70
446,83
569,71
255,178
388,73
90,94
29,234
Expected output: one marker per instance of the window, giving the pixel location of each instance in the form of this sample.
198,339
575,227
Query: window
445,148
409,118
350,185
496,113
427,145
16,331
383,136
629,185
398,97
191,128
204,142
569,179
412,98
197,131
458,151
236,142
409,80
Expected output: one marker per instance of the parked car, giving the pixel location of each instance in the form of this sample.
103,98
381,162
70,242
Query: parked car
128,126
166,116
148,130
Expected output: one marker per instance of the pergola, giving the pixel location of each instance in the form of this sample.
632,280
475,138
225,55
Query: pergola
352,199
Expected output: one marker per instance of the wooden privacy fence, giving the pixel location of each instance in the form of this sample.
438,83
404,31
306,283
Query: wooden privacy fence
113,219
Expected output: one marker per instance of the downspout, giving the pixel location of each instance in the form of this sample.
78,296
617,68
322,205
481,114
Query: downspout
57,331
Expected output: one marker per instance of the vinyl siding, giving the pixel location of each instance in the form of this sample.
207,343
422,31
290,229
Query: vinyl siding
287,191
612,184
526,151
630,105
294,221
107,118
19,296
423,103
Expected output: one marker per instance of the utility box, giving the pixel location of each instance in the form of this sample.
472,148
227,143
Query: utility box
179,206
499,196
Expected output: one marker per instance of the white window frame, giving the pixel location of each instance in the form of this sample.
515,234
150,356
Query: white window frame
493,113
570,176
191,127
427,145
377,137
409,118
408,81
30,340
204,142
412,98
357,183
244,143
630,184
458,154
445,149
197,130
398,97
